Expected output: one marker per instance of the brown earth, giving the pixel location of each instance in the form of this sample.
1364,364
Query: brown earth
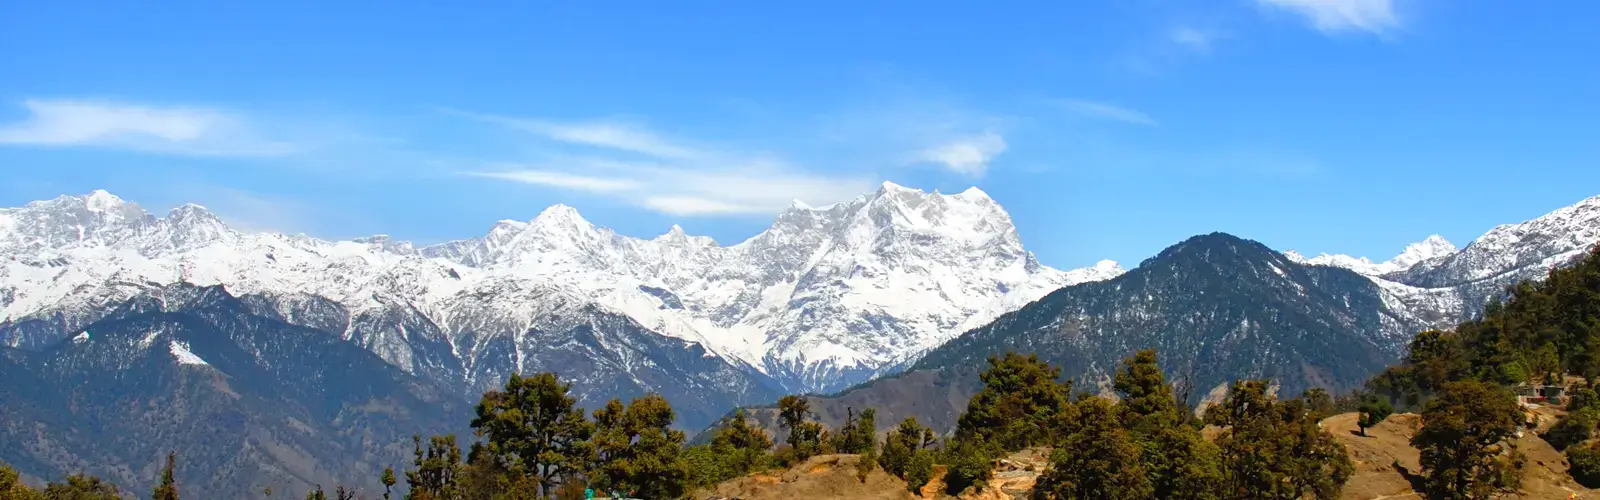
821,477
1386,467
1386,464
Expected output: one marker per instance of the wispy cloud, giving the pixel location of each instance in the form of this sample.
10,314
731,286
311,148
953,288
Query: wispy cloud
613,135
675,178
560,180
1105,111
176,130
1192,38
967,155
1334,16
1169,49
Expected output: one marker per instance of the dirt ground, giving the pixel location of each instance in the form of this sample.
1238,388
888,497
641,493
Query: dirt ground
1386,464
821,477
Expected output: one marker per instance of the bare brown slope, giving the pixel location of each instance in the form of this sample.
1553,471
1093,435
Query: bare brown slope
1386,464
821,477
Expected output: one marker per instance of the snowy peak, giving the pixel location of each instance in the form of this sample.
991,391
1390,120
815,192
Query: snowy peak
821,299
1516,251
1432,247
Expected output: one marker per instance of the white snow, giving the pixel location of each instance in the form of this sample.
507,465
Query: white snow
862,284
180,351
1429,248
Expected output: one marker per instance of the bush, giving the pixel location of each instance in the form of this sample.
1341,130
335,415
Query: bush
919,471
968,465
864,467
1585,462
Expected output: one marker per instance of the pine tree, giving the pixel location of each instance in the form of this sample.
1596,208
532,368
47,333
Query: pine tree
805,435
388,481
1017,406
1275,450
1465,429
1098,460
637,450
1179,461
901,446
535,426
968,464
11,486
919,470
436,469
316,494
81,486
168,489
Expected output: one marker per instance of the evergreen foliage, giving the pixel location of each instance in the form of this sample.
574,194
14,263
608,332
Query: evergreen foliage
637,451
1373,412
168,488
534,428
1179,461
805,434
1275,449
1017,406
1543,330
1465,442
1097,460
858,434
81,487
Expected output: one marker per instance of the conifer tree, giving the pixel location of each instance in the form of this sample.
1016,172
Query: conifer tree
535,427
436,469
1098,460
388,481
902,445
1179,461
168,488
1275,450
1465,442
637,450
81,486
11,486
805,435
1017,406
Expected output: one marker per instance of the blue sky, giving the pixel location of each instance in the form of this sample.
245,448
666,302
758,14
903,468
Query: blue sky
1108,129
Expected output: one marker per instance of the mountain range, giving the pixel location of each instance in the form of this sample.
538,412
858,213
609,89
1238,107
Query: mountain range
110,313
1219,308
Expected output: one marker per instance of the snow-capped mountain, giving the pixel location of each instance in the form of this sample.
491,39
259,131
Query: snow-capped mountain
1433,247
824,298
1437,284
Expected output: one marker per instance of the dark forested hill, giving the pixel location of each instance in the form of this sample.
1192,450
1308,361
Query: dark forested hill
1216,307
247,402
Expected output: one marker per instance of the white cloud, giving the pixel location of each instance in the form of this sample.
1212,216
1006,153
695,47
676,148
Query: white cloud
1106,111
562,180
967,155
1192,38
677,179
177,130
598,133
1332,16
692,205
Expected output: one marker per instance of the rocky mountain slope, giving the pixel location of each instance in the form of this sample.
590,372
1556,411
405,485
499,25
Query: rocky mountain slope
1219,308
825,298
246,400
